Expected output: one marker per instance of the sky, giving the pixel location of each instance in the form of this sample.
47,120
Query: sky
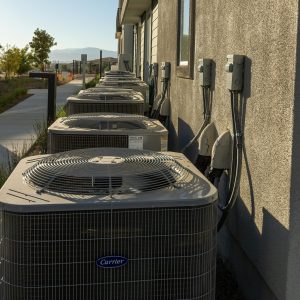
73,23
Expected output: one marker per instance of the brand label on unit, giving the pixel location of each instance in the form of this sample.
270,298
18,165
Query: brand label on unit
111,262
136,142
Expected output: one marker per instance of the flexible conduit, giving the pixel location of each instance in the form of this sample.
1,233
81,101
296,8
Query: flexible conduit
237,156
207,116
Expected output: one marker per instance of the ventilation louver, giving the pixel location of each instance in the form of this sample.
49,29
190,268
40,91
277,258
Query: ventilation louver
138,86
107,224
107,130
129,102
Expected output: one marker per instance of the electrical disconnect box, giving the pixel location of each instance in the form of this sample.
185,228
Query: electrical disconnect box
204,69
235,72
155,69
165,70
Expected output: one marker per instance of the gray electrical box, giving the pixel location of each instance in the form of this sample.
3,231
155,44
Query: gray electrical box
235,72
165,70
204,69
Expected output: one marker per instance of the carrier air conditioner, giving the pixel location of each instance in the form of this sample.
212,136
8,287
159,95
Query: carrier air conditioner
119,73
108,224
119,78
136,85
99,90
129,102
107,130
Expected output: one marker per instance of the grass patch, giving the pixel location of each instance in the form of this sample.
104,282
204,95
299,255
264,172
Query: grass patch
38,148
61,112
13,159
40,145
14,90
93,82
41,131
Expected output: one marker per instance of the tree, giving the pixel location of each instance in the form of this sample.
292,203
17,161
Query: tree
10,60
41,44
26,60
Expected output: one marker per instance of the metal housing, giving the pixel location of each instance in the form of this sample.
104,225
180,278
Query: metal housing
120,101
60,214
107,130
136,85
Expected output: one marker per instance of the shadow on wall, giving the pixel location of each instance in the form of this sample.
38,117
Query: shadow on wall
254,255
185,132
258,258
243,109
293,290
173,136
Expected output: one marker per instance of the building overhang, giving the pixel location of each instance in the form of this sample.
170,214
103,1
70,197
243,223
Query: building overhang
118,35
118,25
132,10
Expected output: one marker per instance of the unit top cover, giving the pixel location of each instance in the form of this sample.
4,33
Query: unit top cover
119,72
123,95
105,89
109,122
105,178
123,83
119,78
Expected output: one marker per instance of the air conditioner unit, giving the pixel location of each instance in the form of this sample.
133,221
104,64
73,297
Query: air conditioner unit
119,78
129,102
137,85
106,130
99,90
120,73
108,224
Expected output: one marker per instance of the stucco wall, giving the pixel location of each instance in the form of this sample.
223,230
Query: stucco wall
266,32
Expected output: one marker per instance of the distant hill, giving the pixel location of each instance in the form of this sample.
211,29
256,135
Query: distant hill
68,55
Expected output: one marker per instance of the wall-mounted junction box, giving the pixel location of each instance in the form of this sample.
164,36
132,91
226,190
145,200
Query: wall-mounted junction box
235,72
204,69
165,70
155,69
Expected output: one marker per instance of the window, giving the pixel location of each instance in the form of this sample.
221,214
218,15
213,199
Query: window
184,32
185,38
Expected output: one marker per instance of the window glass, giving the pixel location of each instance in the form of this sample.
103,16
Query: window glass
184,32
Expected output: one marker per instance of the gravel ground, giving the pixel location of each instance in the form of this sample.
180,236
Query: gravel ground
226,286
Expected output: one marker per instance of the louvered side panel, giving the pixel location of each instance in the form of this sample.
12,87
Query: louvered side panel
171,254
66,142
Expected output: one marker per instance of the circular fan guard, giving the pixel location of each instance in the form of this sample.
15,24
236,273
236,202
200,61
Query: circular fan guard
105,171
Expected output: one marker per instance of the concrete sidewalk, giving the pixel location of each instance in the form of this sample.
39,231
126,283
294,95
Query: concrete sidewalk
17,131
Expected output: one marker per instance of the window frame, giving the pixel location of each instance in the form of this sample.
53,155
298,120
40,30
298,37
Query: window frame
186,70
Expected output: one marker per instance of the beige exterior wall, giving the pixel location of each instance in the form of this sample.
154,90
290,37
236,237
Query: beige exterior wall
142,48
262,243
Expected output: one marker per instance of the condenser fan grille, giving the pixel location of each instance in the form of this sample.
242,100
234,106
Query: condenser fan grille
105,172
